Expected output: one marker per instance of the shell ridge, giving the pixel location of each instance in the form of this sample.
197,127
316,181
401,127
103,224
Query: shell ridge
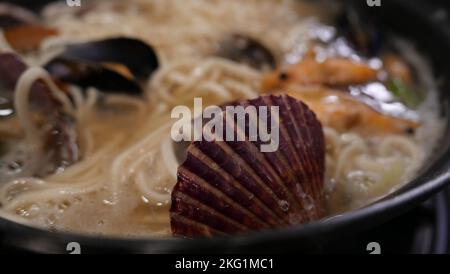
255,177
289,175
298,174
228,178
221,203
309,116
305,188
187,205
277,158
256,184
231,187
191,227
199,212
272,161
251,148
317,144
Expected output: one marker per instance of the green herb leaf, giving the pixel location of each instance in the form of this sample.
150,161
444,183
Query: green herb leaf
403,92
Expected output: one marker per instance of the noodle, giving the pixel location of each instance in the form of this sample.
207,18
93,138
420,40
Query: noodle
21,101
354,162
212,77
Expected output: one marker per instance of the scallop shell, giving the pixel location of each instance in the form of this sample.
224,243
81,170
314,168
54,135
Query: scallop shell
227,188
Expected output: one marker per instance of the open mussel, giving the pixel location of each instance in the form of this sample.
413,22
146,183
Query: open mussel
115,64
137,56
58,134
88,74
231,187
11,68
244,49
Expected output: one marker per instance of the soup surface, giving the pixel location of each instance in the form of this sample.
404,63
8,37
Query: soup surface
378,107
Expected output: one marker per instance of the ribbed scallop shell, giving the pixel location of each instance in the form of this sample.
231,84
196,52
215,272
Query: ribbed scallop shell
232,187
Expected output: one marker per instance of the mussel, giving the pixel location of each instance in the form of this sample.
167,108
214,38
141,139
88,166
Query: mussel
244,49
88,74
361,29
59,134
115,64
231,187
11,68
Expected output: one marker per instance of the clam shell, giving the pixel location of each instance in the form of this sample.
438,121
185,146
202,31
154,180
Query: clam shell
230,187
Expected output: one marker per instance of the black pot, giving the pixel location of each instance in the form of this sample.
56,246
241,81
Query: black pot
415,20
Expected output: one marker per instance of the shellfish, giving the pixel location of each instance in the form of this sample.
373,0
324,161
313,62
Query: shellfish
59,140
117,64
230,187
246,50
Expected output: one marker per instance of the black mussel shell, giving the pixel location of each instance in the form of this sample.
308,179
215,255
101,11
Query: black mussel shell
61,141
139,57
361,29
11,67
88,74
89,64
244,49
